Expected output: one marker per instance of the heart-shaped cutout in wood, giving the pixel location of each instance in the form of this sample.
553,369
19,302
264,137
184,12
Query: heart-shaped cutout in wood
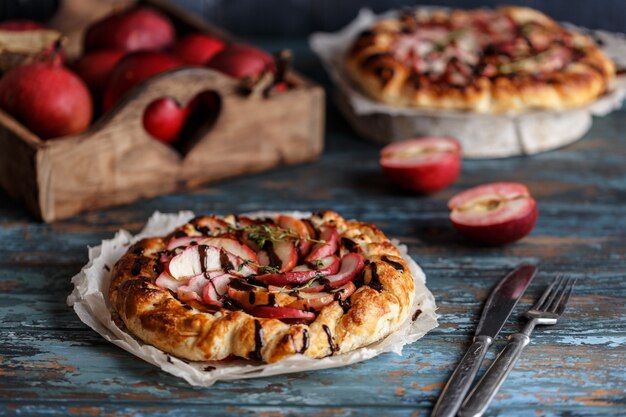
181,126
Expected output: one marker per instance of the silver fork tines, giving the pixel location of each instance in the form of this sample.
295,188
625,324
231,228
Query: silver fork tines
546,311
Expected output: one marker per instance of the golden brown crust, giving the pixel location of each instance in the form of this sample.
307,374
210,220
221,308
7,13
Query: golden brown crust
556,69
196,332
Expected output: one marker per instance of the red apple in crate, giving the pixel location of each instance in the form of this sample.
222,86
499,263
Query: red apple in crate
139,29
133,69
240,60
164,119
424,165
494,214
20,25
197,48
49,99
96,67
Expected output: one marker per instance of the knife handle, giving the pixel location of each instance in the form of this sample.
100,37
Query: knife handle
459,383
489,385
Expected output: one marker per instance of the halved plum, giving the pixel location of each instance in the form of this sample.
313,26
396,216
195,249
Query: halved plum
351,265
298,227
494,214
282,313
302,273
328,246
317,300
425,165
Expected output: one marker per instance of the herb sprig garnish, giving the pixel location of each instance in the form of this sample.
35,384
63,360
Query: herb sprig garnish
268,269
261,234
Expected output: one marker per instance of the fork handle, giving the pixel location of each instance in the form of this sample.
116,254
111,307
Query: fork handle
478,400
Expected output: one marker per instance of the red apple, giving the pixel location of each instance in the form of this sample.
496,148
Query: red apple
317,300
95,68
139,29
494,214
329,243
195,286
197,48
133,69
194,261
164,119
48,98
239,60
282,313
424,165
302,273
20,25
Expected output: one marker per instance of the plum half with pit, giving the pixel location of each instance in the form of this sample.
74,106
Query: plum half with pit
494,214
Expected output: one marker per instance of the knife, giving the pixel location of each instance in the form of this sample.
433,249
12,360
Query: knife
497,310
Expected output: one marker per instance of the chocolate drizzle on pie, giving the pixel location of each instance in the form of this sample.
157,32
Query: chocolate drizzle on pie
397,265
374,280
305,341
258,341
349,244
331,342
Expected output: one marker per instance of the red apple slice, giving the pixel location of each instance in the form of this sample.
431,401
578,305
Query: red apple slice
193,289
215,289
298,227
286,252
328,246
494,214
307,301
282,313
302,273
249,296
194,261
351,265
232,246
424,165
165,280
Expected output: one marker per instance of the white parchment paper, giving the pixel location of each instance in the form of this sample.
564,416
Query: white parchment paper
481,135
90,302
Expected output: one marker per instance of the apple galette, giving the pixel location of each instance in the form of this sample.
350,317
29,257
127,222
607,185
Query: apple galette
263,289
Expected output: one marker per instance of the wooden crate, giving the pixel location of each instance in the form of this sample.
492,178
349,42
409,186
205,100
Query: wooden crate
116,161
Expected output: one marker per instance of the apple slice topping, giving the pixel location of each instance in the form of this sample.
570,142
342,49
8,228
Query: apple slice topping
193,289
494,214
215,289
282,313
424,165
316,300
195,260
231,245
165,280
202,258
299,228
351,265
329,242
302,273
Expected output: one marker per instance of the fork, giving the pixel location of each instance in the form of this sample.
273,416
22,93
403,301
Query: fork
546,311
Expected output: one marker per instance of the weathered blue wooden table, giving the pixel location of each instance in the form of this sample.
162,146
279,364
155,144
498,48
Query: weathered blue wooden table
52,364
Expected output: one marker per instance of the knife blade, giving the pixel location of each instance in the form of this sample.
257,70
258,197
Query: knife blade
497,309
